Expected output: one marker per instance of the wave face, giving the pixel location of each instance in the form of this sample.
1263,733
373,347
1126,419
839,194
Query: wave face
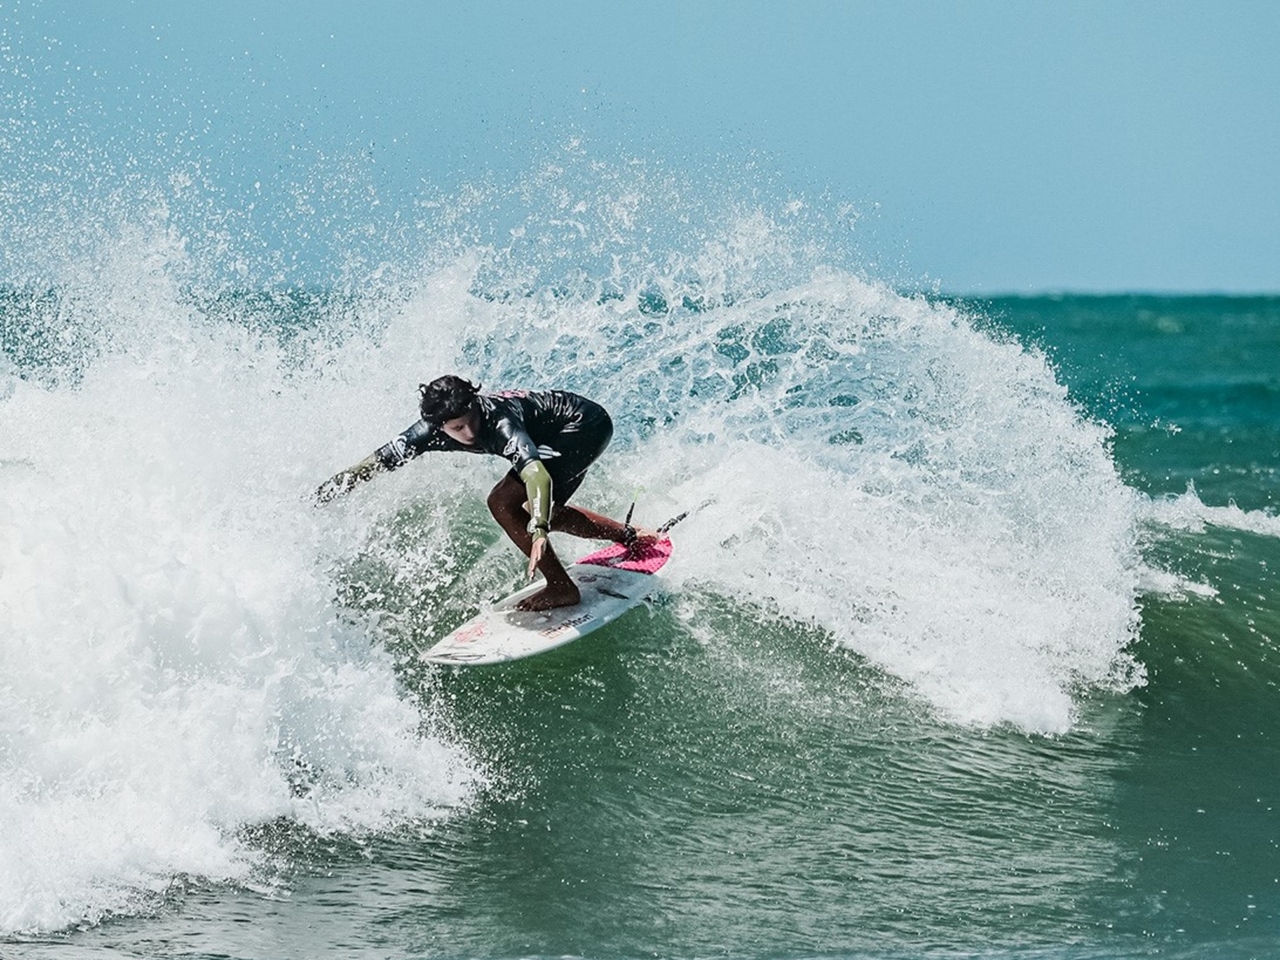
859,461
192,651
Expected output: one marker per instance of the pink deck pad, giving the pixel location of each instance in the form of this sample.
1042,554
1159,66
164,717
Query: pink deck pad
642,557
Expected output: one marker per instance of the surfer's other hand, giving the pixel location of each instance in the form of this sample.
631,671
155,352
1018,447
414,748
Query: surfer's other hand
535,554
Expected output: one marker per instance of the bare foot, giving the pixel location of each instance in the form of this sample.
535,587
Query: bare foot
644,537
549,598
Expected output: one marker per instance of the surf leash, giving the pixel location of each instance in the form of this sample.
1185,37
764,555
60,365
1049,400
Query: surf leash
662,530
680,516
630,532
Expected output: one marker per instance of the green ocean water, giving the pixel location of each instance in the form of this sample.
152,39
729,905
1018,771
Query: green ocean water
721,774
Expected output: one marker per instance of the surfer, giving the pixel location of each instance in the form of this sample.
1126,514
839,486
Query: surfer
550,438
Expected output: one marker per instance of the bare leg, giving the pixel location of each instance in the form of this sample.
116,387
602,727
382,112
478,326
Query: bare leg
578,522
507,504
589,526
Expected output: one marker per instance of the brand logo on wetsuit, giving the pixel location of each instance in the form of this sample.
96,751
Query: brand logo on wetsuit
397,451
513,447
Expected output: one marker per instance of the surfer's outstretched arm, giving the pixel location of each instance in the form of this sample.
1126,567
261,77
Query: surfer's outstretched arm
340,483
417,439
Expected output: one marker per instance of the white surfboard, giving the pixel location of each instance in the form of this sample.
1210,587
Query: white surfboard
612,581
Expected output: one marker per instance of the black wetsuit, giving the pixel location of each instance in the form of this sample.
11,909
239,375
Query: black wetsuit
564,431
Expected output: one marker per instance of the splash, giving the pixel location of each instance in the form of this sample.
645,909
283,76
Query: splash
865,462
178,653
1189,513
173,667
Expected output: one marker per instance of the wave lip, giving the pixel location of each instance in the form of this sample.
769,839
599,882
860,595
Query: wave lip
919,490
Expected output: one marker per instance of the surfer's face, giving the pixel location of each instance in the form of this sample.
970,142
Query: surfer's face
463,428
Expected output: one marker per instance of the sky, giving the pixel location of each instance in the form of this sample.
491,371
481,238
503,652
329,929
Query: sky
990,146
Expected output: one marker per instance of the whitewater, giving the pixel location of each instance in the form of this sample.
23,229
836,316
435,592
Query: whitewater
177,666
196,659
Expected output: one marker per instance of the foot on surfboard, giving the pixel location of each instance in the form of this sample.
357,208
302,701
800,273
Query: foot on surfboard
612,581
550,598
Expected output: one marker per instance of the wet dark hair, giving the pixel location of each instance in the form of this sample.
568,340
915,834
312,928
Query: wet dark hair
446,398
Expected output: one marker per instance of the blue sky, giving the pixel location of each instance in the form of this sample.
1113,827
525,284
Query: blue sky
991,146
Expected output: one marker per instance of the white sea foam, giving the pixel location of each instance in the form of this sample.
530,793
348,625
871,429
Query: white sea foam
870,463
172,663
973,538
1187,512
1173,586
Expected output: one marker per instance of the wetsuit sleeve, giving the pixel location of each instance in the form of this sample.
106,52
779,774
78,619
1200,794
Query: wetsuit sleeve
517,445
420,438
537,486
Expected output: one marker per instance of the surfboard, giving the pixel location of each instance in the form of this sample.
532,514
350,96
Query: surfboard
612,581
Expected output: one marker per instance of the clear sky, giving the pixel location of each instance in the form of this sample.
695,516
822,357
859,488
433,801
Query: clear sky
995,146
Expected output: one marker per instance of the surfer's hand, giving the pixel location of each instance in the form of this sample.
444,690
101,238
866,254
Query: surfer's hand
536,552
340,483
366,469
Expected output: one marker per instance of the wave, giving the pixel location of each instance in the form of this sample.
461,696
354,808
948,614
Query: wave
182,653
174,665
1188,513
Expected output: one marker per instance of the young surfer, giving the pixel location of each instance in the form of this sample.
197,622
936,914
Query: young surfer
550,437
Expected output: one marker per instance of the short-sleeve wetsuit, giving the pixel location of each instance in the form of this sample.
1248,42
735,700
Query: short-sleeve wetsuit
564,431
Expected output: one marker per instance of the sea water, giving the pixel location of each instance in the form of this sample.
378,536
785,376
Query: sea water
969,646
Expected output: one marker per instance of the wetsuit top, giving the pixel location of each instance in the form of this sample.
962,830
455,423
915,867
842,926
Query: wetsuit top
563,430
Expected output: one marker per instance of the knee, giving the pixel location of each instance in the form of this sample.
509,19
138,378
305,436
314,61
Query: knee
502,504
495,502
